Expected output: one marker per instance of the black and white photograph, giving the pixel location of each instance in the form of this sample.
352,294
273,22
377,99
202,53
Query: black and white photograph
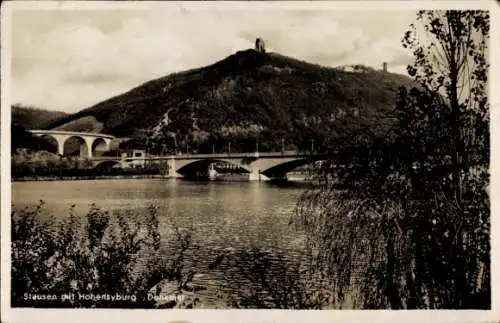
241,155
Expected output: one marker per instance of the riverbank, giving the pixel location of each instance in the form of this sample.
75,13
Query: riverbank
76,178
221,177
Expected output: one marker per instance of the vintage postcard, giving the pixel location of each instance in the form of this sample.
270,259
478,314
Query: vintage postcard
162,160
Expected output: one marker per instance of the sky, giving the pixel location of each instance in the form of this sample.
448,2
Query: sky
68,60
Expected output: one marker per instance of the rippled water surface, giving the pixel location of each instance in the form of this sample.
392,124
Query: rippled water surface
224,215
228,212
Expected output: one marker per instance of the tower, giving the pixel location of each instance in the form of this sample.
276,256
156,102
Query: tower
260,46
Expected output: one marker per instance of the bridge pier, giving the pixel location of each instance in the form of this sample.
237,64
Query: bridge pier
60,144
256,175
89,142
172,171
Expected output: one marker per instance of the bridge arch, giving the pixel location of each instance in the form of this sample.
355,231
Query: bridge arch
52,141
190,167
107,164
72,141
57,140
280,170
99,146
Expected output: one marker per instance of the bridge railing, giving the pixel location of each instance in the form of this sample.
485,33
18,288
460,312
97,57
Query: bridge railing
209,156
72,133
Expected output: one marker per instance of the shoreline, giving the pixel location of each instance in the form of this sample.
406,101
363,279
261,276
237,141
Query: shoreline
77,178
230,178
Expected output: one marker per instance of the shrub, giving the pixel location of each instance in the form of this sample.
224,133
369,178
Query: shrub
114,258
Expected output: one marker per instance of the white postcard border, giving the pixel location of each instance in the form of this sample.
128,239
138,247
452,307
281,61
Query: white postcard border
89,315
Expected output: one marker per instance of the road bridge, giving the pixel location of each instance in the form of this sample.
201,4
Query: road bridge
259,166
89,142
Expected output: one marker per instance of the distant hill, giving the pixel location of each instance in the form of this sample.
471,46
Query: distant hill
33,118
246,98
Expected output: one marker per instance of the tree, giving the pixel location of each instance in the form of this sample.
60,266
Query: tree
410,227
450,58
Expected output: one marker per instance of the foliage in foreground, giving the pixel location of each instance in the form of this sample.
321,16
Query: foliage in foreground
107,255
412,229
104,256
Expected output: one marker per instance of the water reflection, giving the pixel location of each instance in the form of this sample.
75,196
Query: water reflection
232,217
244,213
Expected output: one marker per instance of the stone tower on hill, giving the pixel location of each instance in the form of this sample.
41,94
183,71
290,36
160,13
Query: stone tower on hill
260,46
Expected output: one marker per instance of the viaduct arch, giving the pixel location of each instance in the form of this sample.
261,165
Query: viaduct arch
90,143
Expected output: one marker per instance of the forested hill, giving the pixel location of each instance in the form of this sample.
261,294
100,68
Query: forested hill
31,117
247,97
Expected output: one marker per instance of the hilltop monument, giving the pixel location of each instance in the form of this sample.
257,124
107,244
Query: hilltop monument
260,46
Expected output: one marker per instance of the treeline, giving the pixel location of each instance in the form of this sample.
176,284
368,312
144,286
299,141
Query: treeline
26,163
21,172
32,117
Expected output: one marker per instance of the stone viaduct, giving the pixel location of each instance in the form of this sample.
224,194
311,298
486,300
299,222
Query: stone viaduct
89,142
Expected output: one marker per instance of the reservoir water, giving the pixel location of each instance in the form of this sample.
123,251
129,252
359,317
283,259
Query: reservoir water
226,212
225,215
